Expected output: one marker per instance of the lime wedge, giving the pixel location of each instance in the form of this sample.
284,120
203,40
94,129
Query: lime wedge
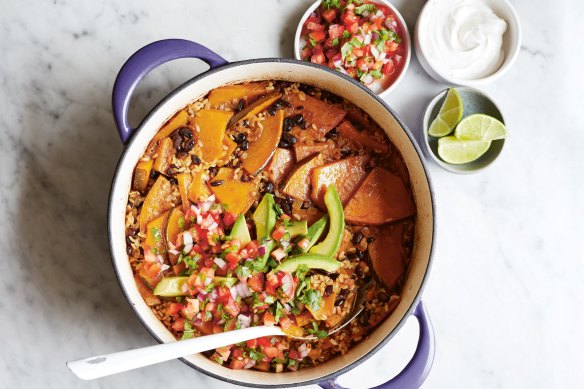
449,115
456,151
480,127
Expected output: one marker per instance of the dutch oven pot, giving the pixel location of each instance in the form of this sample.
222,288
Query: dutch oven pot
222,73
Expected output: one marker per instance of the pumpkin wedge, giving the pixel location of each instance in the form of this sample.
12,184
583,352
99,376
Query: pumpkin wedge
326,308
261,150
323,115
164,152
155,235
345,174
229,147
362,139
198,190
141,175
238,196
184,181
211,125
297,184
387,256
280,165
231,94
157,201
179,120
175,224
254,108
381,198
303,150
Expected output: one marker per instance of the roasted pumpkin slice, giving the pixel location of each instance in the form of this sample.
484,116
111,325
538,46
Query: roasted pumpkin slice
326,308
387,256
179,120
345,174
175,224
322,115
155,235
297,184
238,196
362,139
231,94
157,201
210,125
198,190
141,175
254,108
261,150
164,152
184,182
303,150
146,293
280,165
229,147
381,198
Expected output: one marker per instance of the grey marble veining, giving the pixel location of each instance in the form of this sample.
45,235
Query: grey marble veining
505,292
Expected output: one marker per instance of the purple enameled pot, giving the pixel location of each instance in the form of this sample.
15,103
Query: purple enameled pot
222,73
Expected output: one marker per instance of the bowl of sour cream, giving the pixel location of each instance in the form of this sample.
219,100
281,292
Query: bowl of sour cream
467,42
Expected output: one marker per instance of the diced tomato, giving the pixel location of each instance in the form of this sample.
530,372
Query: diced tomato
279,233
288,286
173,309
252,249
179,268
392,46
270,351
285,322
348,17
312,26
351,72
306,53
229,219
179,324
329,15
272,283
231,308
388,68
236,364
191,309
224,293
377,65
365,63
358,51
264,341
317,36
230,325
269,319
335,31
225,352
378,23
237,353
262,366
256,282
293,354
252,343
353,28
233,259
318,58
217,329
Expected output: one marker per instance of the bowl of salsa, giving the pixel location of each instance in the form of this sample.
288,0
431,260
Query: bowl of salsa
365,40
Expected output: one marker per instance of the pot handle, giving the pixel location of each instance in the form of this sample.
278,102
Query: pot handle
145,60
416,371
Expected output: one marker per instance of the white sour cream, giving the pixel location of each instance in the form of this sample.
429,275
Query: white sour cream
464,38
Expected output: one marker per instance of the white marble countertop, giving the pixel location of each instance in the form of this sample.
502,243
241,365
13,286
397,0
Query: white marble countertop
505,292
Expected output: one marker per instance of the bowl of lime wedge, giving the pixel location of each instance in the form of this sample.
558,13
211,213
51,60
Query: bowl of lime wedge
464,130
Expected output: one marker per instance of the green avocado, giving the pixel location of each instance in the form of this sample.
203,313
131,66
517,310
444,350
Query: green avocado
264,218
299,228
311,261
176,286
240,231
332,242
314,233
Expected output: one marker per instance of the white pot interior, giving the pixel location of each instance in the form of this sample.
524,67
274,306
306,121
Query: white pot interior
294,72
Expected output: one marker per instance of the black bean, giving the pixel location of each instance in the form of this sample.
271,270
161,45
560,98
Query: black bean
195,159
344,293
240,137
185,132
170,171
235,163
175,134
128,241
283,144
176,143
240,105
129,250
334,276
345,153
244,145
213,170
339,301
173,181
306,204
298,120
246,177
188,145
279,104
281,85
245,123
288,124
383,297
181,154
332,134
331,97
309,90
288,139
370,239
328,290
268,187
153,174
285,204
360,254
132,231
359,271
300,107
351,255
357,236
217,183
364,318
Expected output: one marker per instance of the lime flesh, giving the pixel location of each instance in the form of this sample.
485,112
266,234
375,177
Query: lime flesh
480,127
449,115
456,151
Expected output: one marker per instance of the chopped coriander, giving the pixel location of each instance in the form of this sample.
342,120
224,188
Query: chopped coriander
316,331
208,315
346,49
376,73
356,42
278,312
328,4
346,34
301,272
335,42
312,298
181,223
255,355
242,271
188,331
292,362
219,360
360,10
157,234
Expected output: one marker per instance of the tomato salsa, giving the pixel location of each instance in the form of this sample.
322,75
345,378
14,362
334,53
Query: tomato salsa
360,39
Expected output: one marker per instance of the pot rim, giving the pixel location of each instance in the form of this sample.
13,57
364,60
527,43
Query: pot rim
419,152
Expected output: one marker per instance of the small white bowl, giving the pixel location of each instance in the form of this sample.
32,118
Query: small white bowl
299,42
511,44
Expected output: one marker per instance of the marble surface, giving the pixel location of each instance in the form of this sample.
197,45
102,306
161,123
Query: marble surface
505,293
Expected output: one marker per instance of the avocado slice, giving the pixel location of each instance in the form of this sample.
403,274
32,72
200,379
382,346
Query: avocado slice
296,228
240,231
314,233
264,218
332,242
176,286
311,261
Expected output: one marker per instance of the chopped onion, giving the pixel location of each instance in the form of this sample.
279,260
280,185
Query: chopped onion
174,252
244,320
213,296
220,262
208,281
304,350
194,305
278,254
367,39
262,250
243,290
367,79
164,267
375,36
303,244
222,321
233,291
338,63
398,58
159,258
188,240
250,364
199,219
201,296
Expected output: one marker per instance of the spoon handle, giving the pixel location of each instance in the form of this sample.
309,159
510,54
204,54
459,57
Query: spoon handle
108,364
